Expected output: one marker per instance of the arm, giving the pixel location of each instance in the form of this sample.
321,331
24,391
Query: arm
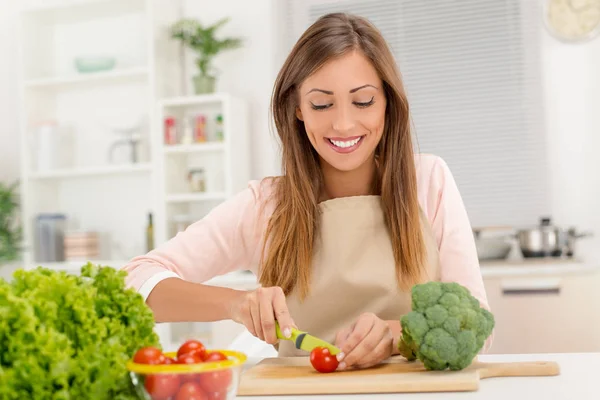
170,277
450,223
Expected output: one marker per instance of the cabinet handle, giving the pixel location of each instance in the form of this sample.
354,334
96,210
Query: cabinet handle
532,291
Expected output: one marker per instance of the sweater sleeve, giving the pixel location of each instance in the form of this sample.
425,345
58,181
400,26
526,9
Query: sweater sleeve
452,229
227,239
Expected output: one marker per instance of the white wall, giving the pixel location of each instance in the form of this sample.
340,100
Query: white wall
248,72
572,95
9,135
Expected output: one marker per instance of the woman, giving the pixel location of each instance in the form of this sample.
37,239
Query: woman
355,220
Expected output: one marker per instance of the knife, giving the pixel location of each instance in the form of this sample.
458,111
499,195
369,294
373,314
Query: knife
305,341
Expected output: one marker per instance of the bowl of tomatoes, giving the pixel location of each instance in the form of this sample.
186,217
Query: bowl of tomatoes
191,373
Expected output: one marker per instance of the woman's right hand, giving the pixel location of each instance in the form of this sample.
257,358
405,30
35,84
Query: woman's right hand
258,310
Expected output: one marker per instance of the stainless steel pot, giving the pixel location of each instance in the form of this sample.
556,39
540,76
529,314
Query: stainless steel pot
547,240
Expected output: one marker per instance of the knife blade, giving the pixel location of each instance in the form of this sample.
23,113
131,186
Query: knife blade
305,341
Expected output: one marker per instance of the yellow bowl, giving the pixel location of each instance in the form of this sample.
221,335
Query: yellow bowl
217,380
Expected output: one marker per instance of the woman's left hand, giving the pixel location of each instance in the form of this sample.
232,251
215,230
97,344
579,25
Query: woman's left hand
365,343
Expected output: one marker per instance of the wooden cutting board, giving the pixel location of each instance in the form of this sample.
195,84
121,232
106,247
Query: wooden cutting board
295,376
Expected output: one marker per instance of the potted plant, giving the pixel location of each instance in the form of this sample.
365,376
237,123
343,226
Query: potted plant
202,40
10,229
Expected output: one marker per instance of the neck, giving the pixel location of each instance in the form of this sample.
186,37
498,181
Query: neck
358,182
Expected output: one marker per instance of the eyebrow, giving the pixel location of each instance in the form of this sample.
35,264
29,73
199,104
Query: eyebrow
329,92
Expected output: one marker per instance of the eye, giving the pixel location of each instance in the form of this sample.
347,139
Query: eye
319,107
365,104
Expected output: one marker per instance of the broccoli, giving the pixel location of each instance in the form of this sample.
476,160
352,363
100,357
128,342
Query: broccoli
446,328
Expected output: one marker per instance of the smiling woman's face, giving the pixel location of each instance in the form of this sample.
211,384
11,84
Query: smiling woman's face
343,107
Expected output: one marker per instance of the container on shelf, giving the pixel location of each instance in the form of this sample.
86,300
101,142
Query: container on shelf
170,131
50,232
94,64
51,145
197,180
219,136
81,246
200,129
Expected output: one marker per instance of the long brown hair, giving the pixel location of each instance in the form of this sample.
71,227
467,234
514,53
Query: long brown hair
292,228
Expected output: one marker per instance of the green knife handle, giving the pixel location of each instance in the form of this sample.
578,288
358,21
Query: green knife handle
279,333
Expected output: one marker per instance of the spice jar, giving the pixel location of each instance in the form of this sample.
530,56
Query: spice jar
197,180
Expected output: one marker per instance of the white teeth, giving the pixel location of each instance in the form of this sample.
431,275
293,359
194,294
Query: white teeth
345,144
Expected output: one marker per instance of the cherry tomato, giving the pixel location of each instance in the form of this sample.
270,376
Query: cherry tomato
322,360
169,361
192,346
190,358
215,356
217,396
191,391
149,355
162,386
216,381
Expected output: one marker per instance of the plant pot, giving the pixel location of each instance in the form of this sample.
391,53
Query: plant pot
204,84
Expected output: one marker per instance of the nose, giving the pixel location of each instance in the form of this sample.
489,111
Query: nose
343,120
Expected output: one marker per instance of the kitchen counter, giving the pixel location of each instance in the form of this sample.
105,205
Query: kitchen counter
537,266
578,380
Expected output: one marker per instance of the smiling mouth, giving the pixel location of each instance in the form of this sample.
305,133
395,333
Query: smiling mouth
345,145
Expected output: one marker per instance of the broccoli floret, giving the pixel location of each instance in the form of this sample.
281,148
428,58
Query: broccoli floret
446,328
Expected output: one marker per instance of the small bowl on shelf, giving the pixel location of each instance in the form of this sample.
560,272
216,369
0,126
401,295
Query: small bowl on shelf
94,64
214,380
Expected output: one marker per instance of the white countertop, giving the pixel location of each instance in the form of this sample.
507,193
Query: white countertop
489,269
537,267
579,379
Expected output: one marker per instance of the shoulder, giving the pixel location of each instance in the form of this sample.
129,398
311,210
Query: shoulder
262,191
434,178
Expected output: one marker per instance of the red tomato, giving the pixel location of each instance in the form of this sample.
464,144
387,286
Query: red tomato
192,346
216,381
169,361
149,355
322,360
193,358
191,391
217,396
162,386
215,356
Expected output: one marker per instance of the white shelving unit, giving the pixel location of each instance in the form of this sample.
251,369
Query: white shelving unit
97,185
223,159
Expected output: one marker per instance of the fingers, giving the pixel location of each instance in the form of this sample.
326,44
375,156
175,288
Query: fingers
382,351
363,326
267,316
368,344
282,314
255,315
342,336
259,309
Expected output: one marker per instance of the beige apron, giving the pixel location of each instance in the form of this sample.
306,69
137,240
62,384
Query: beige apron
353,271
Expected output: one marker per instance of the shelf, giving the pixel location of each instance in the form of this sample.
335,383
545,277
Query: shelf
195,197
137,73
194,148
92,171
194,100
67,10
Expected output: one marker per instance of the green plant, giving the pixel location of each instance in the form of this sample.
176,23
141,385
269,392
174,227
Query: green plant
67,336
446,328
10,230
203,41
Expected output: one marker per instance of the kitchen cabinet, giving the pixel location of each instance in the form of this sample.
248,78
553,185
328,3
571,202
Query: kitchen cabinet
554,313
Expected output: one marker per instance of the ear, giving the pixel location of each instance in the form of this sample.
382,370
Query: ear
299,113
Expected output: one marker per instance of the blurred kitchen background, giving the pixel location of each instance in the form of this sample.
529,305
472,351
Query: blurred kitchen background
116,139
